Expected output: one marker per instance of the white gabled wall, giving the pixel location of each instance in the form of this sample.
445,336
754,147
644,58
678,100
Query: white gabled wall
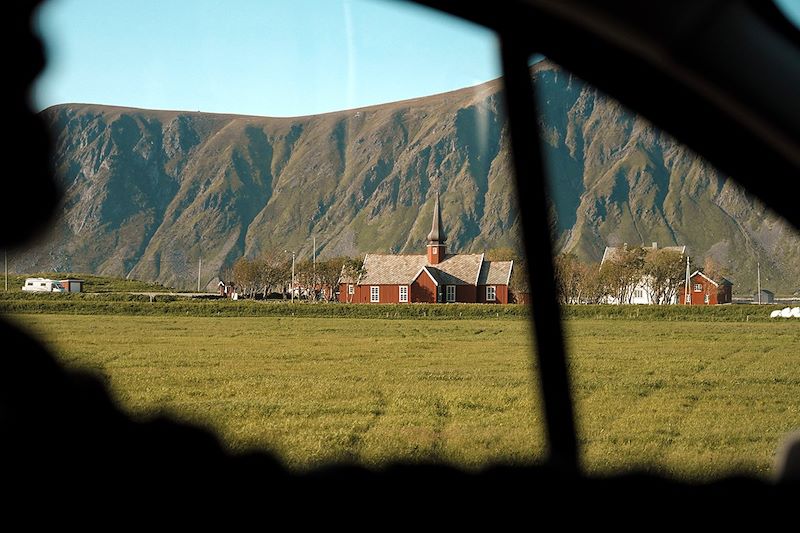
646,297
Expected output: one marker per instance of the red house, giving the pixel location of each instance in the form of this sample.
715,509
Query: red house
705,291
435,277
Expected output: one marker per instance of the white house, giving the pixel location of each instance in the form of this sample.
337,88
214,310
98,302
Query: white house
642,292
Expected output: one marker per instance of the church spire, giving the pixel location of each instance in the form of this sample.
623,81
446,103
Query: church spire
437,237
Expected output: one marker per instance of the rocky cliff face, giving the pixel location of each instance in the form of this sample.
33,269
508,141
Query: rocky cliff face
146,193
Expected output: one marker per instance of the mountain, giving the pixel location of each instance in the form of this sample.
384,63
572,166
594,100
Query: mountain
146,193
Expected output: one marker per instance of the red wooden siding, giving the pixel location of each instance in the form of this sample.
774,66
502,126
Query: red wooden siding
716,294
433,268
501,294
344,297
423,289
438,257
466,294
387,294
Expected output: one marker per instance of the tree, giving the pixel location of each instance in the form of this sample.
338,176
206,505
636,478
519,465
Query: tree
324,276
665,275
226,274
569,274
328,273
593,284
579,282
304,273
260,275
713,268
520,282
353,269
245,276
623,273
271,268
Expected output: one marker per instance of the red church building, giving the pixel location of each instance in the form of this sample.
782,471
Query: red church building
430,278
705,291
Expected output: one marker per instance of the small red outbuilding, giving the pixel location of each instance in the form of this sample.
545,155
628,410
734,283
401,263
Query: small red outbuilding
705,291
72,285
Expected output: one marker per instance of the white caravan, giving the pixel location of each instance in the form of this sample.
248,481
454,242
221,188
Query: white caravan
42,285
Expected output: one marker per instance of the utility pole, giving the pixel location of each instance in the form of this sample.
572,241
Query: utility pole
758,270
686,299
199,267
292,287
314,278
5,260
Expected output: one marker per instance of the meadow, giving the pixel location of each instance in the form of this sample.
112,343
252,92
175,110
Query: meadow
692,399
132,304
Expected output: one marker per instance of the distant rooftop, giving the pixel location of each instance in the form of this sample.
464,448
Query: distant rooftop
612,253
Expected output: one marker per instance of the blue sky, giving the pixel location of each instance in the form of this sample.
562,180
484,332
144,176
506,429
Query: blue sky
791,8
259,57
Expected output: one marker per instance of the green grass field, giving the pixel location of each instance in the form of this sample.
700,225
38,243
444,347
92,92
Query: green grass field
127,304
692,399
91,282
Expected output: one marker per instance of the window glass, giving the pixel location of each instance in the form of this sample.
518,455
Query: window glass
791,9
271,146
491,293
677,389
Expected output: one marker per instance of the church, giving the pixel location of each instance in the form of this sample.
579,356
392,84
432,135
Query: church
433,277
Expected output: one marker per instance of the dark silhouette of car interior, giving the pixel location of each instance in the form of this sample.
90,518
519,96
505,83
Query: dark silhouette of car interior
723,77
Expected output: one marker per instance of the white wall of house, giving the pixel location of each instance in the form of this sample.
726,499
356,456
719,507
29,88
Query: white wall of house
642,295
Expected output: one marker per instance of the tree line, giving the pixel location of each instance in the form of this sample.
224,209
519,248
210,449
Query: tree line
270,274
576,281
660,273
616,279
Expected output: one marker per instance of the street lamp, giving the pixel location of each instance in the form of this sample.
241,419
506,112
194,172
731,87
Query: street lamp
292,287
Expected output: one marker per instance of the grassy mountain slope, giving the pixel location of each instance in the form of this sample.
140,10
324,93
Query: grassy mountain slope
149,192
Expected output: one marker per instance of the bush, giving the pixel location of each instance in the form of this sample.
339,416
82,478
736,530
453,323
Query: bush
127,304
727,313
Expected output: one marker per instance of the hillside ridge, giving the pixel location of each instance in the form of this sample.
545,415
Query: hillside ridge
147,193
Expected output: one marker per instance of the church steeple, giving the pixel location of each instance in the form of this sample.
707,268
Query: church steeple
437,237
